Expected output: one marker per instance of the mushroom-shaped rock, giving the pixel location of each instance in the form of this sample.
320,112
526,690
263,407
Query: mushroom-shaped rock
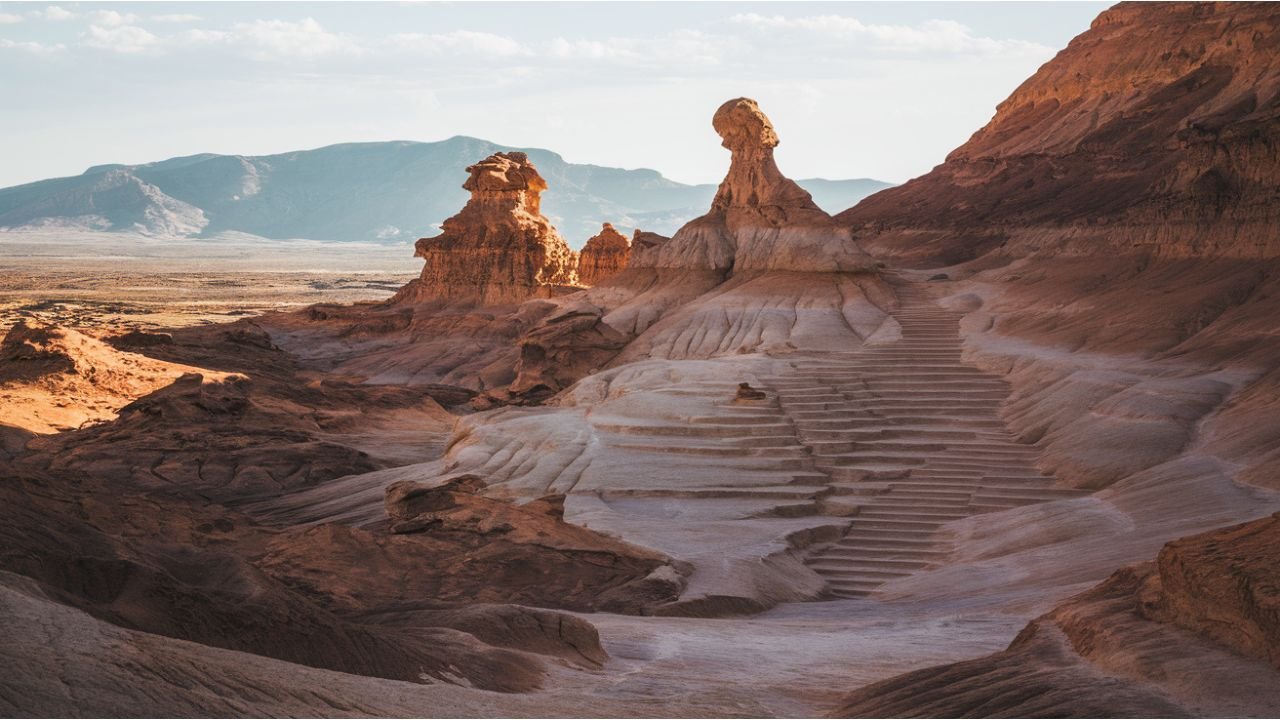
499,249
743,127
754,180
760,219
604,256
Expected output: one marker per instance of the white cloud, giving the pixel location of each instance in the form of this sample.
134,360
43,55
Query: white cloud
111,18
593,49
283,38
34,48
931,36
679,48
456,42
272,39
9,19
176,18
197,37
125,39
53,12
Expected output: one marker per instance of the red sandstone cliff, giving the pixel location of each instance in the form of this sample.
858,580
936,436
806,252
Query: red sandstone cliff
1154,132
499,249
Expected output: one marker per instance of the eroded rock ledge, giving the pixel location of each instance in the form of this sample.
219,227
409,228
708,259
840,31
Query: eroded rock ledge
1191,634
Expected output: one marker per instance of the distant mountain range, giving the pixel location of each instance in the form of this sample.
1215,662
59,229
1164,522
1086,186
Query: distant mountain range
390,191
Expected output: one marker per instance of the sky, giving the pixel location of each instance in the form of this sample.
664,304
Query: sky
860,89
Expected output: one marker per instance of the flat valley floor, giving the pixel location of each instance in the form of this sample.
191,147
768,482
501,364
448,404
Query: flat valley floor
91,280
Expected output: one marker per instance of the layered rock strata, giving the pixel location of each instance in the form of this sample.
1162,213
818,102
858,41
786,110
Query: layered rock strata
1153,133
499,249
604,256
1193,634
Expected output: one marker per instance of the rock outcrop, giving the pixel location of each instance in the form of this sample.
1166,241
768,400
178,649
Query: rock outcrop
763,240
1189,635
645,247
568,345
1223,585
759,220
1153,133
499,249
54,378
604,256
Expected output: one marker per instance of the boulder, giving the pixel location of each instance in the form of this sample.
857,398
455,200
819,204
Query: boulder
748,393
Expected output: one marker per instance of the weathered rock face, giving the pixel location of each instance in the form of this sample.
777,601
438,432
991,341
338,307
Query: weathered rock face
1224,585
1154,132
754,180
54,378
759,220
568,345
499,249
1121,649
604,256
645,248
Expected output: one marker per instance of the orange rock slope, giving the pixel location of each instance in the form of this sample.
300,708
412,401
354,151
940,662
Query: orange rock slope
1154,132
1189,635
499,249
54,378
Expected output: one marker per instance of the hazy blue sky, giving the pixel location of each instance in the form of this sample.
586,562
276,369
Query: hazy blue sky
880,90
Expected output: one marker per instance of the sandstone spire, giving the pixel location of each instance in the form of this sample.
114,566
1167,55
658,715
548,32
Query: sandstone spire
499,249
604,256
760,219
754,180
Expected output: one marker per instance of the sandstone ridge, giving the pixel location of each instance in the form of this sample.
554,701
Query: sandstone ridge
1152,133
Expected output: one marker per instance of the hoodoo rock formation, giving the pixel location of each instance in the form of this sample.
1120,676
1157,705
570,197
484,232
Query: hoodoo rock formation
763,242
500,249
760,220
604,256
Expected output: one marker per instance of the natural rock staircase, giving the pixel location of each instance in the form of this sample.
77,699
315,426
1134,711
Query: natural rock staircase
913,432
756,443
901,437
